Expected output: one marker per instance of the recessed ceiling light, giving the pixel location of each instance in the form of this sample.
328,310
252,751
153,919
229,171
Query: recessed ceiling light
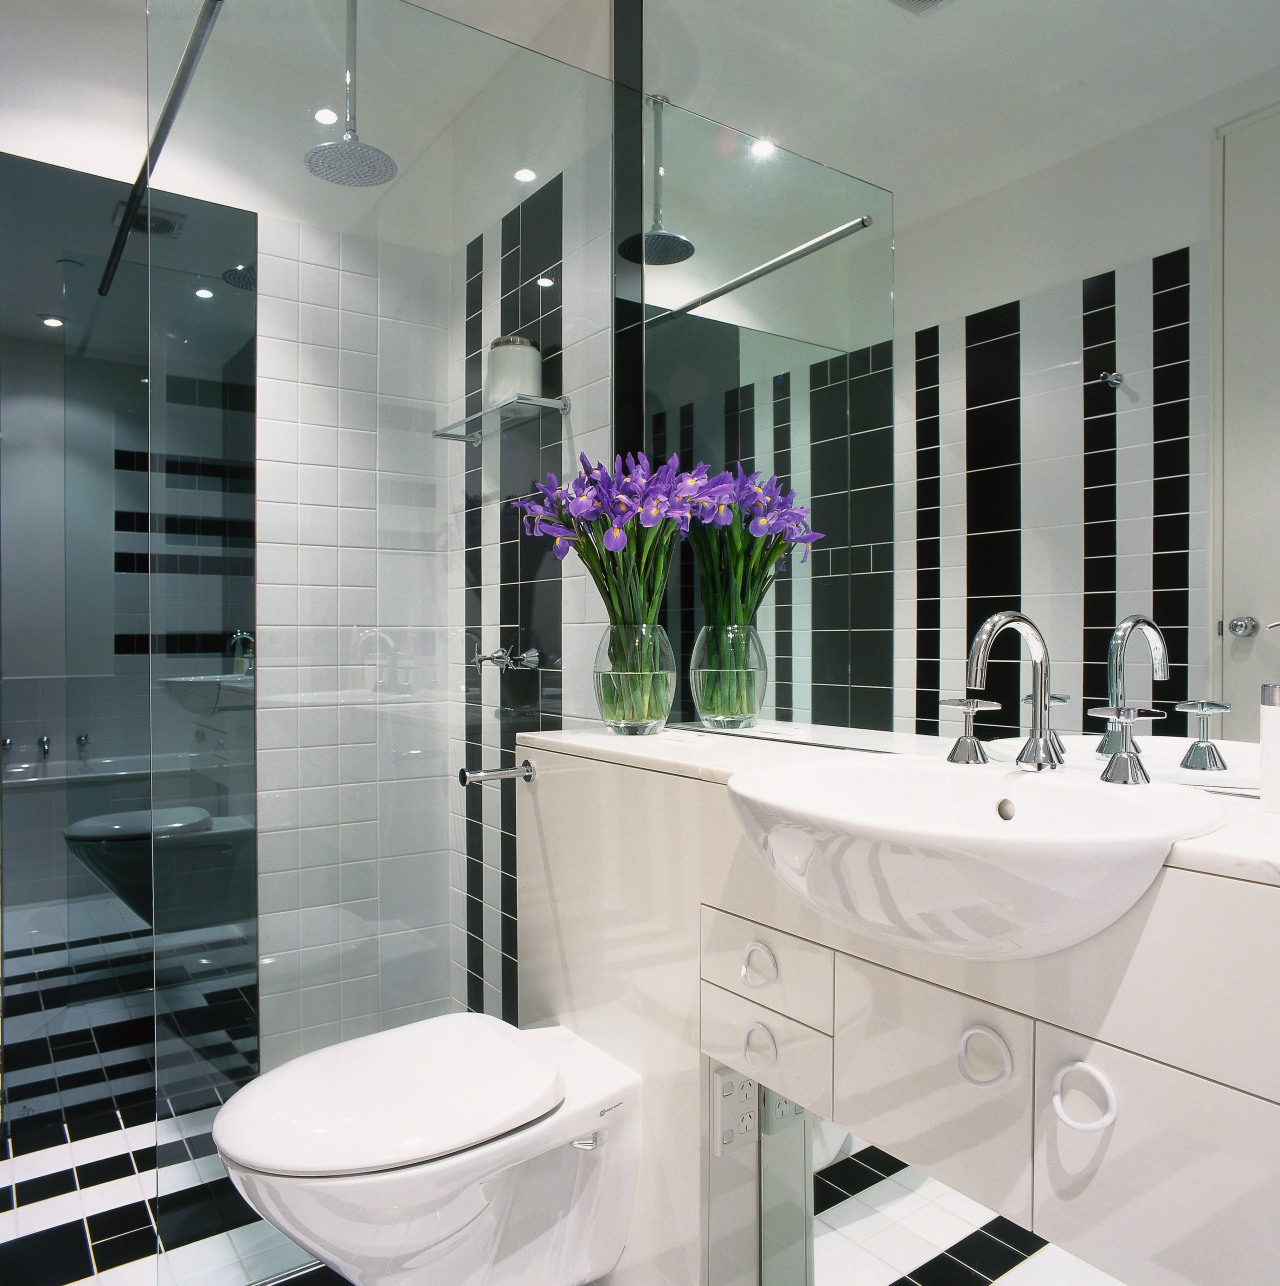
526,176
327,116
204,293
54,322
762,148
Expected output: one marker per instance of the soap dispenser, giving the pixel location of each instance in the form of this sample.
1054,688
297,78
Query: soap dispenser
1269,743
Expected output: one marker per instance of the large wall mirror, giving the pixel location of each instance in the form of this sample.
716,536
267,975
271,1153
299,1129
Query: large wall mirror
1081,393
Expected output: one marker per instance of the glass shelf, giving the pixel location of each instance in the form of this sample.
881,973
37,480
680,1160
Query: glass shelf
503,416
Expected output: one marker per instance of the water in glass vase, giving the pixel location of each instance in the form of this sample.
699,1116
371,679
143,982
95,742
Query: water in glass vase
635,679
728,674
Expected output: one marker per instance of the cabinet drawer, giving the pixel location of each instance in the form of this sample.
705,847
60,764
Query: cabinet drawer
1181,1189
788,974
939,1079
786,1055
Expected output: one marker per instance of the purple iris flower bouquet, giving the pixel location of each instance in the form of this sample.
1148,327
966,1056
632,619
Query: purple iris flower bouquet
749,528
624,524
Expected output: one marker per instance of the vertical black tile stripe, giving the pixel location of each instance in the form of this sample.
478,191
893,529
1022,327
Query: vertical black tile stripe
1098,348
993,496
1171,486
474,887
928,544
784,644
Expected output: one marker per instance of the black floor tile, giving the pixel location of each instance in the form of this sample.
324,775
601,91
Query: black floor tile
195,1213
171,1154
104,1171
851,1177
30,1191
35,1134
86,1124
124,1249
320,1277
115,1223
1013,1235
945,1271
826,1195
50,1258
989,1256
881,1162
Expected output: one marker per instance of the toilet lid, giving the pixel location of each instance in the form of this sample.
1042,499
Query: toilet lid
391,1099
140,824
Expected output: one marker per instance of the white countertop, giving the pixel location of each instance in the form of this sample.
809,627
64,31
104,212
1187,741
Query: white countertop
1247,847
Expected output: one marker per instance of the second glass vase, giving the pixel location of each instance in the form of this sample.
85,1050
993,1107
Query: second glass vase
635,677
728,674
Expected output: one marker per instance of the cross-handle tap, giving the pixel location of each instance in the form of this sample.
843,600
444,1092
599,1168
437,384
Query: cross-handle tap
1113,740
503,659
43,743
240,649
1039,753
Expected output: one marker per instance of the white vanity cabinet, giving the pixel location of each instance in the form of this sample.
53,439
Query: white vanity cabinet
1156,1176
939,1079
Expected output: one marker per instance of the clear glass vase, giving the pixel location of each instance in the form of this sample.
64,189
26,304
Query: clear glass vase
728,674
635,675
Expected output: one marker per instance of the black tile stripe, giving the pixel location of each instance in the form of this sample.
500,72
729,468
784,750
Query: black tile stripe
783,620
993,501
1098,406
928,544
1171,560
979,1257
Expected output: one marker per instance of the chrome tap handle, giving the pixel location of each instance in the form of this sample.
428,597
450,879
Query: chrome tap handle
1202,755
1055,699
500,657
43,743
968,749
1125,768
529,659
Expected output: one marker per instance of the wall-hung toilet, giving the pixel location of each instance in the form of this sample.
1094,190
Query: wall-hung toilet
204,867
456,1151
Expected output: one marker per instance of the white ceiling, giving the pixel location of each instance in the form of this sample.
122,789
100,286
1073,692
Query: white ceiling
943,107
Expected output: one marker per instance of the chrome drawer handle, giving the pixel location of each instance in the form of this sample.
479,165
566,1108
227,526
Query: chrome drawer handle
770,961
771,1052
1103,1084
962,1057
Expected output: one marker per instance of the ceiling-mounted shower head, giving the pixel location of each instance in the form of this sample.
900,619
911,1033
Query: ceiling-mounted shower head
657,247
244,276
348,161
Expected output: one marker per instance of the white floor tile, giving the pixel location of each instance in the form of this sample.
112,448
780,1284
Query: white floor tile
966,1208
900,1248
855,1220
141,1272
48,1214
110,1196
47,1161
838,1262
189,1264
99,1146
892,1199
937,1225
1052,1266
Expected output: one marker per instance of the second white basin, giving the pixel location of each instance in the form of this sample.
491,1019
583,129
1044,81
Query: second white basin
980,861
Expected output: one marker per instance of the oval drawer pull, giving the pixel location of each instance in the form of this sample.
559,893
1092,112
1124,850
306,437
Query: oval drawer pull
770,968
1103,1084
771,1051
962,1057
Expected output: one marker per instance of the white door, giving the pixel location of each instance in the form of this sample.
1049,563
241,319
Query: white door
1250,414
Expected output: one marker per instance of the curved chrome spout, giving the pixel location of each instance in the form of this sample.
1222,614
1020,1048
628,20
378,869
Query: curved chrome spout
1113,739
1039,753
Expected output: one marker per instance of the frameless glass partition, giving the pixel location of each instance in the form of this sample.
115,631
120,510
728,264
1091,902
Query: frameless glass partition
770,344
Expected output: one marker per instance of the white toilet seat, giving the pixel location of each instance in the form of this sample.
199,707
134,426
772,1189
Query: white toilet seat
392,1099
142,823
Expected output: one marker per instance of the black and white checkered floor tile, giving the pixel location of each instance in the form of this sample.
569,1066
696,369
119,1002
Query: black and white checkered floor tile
878,1222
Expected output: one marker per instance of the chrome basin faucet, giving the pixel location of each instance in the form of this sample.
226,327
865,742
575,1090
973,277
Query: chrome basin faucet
1039,753
1113,741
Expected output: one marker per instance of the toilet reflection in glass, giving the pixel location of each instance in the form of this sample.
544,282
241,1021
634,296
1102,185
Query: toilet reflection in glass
455,1150
206,865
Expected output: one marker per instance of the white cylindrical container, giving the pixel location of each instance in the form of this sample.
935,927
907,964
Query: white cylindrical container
515,366
1269,746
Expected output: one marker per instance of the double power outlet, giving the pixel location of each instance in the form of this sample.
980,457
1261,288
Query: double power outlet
735,1111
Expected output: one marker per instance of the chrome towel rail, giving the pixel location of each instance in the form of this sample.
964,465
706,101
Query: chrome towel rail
475,776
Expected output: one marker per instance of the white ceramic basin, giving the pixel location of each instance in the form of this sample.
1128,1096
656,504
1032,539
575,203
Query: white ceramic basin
1161,756
981,861
204,694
